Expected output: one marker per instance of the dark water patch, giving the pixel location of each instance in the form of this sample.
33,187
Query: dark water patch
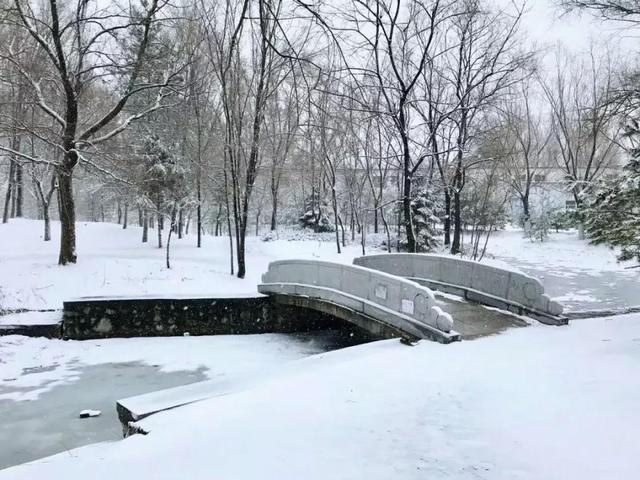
51,424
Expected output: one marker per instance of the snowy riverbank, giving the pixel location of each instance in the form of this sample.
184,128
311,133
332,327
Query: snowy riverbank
541,402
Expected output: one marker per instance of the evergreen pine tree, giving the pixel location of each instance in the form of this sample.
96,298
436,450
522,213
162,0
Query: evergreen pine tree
315,215
613,215
425,220
540,221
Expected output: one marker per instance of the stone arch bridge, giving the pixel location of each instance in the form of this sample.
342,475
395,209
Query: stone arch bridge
438,297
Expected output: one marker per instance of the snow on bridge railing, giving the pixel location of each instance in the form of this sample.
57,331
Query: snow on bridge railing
345,285
489,283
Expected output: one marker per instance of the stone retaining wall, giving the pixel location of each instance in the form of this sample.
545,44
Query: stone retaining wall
96,317
53,330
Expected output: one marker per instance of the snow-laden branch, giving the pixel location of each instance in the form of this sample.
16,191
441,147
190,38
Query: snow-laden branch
158,105
36,87
35,34
146,22
84,160
26,157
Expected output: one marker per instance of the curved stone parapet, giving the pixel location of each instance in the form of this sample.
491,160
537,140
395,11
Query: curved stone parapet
512,287
380,295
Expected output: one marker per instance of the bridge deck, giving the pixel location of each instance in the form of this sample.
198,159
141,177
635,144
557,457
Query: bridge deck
473,320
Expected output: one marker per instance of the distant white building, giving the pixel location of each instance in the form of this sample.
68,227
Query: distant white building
550,190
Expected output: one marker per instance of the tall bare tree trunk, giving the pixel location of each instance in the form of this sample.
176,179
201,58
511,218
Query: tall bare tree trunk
172,227
336,218
274,211
44,202
125,222
145,226
230,239
447,217
258,223
376,206
159,230
216,228
199,214
19,190
386,229
407,213
8,195
67,214
406,188
47,223
456,245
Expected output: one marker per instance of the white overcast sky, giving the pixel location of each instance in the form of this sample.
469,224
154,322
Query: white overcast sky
546,27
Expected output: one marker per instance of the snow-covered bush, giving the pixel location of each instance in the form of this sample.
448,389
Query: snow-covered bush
539,222
316,215
562,219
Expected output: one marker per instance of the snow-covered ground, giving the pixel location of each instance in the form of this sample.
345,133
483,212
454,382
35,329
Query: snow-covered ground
535,403
562,252
113,261
579,275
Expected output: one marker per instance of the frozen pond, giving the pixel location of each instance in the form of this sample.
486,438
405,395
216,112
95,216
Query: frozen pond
50,423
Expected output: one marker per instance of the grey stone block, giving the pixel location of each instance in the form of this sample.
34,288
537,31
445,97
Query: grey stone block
356,282
490,280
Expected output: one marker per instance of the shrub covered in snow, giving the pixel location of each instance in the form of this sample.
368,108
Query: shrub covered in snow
316,215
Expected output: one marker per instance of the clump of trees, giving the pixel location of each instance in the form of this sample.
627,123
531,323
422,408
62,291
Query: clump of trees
420,119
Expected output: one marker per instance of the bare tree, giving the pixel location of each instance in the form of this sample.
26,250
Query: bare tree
80,46
282,130
401,41
243,96
620,10
484,63
45,184
580,95
524,137
331,143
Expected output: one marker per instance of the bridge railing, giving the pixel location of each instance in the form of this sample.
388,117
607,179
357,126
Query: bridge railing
475,281
371,292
